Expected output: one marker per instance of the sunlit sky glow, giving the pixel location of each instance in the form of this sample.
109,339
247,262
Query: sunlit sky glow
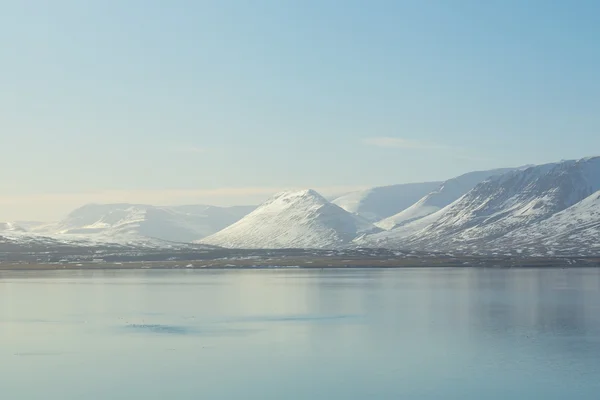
226,102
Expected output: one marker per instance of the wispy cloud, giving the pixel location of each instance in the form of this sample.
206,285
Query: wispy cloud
400,143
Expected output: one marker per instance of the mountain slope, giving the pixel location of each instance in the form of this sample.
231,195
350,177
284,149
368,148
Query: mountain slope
29,225
381,202
497,207
132,222
11,227
575,230
301,219
448,192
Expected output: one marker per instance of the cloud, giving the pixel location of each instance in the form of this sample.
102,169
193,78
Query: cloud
400,143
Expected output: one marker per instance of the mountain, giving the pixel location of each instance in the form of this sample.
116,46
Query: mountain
513,201
11,227
573,231
302,219
381,202
445,194
133,222
29,225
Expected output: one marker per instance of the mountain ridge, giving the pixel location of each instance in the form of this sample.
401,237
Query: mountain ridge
381,202
448,192
498,206
134,222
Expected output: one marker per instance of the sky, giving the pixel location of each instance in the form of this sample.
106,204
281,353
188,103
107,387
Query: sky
225,102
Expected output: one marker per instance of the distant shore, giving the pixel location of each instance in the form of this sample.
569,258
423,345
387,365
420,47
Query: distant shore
312,263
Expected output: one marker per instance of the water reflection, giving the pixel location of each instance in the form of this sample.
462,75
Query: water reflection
301,334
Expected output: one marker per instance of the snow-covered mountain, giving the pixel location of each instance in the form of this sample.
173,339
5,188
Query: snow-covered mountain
513,201
539,210
448,192
29,225
134,222
575,230
11,227
302,219
381,202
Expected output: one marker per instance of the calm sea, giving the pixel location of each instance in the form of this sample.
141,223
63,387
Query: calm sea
300,334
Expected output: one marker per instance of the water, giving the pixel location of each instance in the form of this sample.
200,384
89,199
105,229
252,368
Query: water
300,334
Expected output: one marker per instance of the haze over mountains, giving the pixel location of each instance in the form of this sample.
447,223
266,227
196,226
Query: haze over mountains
135,222
537,210
11,227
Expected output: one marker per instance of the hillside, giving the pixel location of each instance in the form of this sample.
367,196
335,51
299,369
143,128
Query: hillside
133,222
495,208
302,219
381,202
448,192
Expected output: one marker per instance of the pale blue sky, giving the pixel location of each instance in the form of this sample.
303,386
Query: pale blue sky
225,102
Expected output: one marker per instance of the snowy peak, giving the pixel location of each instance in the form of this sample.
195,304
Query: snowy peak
448,192
531,194
300,219
290,198
501,205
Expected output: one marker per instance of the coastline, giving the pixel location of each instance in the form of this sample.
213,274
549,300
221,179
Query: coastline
312,263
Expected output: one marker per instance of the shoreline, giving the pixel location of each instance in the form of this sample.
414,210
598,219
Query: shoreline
309,263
